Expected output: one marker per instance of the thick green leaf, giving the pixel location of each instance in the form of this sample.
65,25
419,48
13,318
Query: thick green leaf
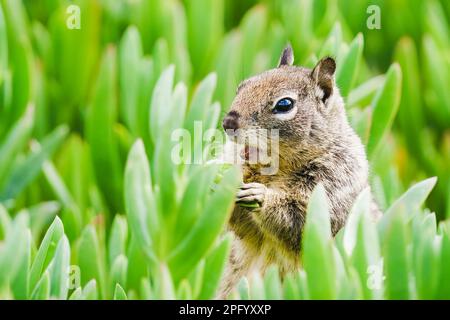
20,56
77,294
257,289
361,94
410,114
437,75
14,249
290,288
139,199
348,67
443,291
118,273
146,76
161,62
272,284
214,267
396,257
228,68
361,241
3,48
146,290
24,172
165,285
186,255
5,222
317,253
427,262
100,120
118,238
46,251
436,23
119,293
302,281
91,261
138,264
331,45
385,106
195,278
253,28
192,201
59,270
63,194
14,142
42,289
204,18
41,216
184,291
243,289
164,174
360,207
159,111
344,287
90,291
20,283
198,111
411,199
178,107
130,54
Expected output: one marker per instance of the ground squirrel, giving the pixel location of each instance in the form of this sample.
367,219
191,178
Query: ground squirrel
316,144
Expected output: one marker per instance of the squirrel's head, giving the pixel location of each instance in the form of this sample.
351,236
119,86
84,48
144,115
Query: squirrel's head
298,102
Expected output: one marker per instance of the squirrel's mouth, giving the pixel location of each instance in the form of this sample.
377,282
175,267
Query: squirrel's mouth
253,155
245,153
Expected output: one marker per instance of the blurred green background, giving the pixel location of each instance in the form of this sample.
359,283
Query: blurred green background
56,68
73,102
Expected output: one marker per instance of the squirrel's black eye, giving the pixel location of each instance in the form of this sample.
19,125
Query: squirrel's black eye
283,105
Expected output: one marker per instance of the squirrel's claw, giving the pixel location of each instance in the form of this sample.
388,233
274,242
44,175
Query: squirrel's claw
251,192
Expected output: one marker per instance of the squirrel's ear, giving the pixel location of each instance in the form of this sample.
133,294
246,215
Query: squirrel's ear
287,57
323,77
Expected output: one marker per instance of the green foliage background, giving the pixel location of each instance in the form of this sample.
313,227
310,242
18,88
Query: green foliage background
86,178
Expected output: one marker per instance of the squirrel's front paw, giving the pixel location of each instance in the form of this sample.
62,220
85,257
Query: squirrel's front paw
251,192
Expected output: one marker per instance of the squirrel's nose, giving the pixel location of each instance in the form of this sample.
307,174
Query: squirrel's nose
231,121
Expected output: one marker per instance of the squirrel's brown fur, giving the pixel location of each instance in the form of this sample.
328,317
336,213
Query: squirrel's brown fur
316,145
